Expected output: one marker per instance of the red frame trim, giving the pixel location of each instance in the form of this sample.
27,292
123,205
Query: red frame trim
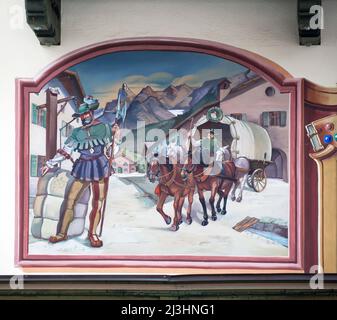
270,71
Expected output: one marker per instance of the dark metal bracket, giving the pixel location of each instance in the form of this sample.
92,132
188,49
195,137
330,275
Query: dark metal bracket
44,17
307,35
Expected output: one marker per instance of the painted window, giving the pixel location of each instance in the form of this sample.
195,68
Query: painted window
36,163
66,129
270,91
274,118
39,117
63,128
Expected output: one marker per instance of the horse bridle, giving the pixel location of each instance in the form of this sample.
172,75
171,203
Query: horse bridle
157,174
189,171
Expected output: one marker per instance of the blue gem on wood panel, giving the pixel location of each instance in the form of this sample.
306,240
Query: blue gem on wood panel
328,138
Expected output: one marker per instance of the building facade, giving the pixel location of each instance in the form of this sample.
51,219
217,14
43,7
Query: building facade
123,165
264,105
65,85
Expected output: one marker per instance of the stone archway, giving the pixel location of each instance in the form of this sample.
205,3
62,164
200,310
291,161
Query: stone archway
278,169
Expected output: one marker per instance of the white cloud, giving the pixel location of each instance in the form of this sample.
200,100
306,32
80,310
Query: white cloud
190,79
198,78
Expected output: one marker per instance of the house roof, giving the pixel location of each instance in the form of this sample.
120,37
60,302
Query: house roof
123,158
249,139
72,83
241,88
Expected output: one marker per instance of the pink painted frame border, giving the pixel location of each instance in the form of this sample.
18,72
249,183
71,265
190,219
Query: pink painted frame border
267,69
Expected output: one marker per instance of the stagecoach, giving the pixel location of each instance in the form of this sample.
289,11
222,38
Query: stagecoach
257,178
245,152
246,140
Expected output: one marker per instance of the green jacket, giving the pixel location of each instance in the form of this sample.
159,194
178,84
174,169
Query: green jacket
86,138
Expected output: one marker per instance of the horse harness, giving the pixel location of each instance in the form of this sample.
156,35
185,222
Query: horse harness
205,174
171,181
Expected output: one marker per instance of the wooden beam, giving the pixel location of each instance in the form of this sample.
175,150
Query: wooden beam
51,125
62,108
67,99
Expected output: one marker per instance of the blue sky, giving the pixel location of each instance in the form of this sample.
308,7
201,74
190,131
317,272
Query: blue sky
102,76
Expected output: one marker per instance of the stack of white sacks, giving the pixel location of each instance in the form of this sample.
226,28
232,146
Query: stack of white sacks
49,204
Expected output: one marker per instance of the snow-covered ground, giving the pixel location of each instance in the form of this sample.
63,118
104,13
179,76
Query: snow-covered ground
132,226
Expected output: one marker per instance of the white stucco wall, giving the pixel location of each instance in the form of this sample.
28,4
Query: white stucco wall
262,103
267,27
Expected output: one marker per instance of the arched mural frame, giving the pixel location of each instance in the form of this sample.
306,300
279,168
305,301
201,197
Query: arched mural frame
296,262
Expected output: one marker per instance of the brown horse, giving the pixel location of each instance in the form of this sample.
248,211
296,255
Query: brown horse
206,180
172,184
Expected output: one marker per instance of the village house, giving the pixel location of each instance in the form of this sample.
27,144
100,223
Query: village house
270,109
122,164
64,93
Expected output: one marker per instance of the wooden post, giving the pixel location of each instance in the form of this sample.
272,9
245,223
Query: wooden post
327,174
325,156
51,124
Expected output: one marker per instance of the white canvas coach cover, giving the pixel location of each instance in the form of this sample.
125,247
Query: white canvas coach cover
249,139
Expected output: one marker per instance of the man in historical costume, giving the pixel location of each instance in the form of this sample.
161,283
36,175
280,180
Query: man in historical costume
92,168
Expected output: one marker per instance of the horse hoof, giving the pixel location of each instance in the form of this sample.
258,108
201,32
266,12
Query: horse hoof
168,220
204,223
174,227
189,220
181,221
238,199
214,217
218,209
223,212
233,198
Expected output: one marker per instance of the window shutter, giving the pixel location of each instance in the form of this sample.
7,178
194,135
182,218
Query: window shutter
44,119
70,130
283,116
41,160
33,165
274,118
64,130
265,119
34,113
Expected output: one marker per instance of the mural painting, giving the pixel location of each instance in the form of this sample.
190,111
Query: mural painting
159,153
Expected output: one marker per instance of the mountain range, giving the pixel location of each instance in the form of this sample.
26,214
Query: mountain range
153,106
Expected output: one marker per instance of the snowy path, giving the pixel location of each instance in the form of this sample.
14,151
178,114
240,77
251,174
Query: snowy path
133,227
